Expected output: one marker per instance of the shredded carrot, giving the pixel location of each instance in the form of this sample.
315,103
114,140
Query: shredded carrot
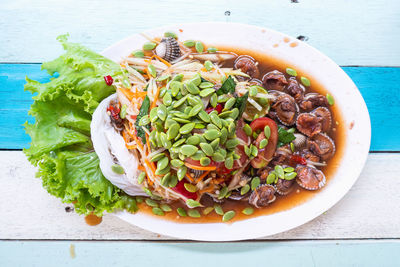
141,168
162,60
130,146
131,133
202,176
124,135
130,95
140,94
200,168
155,98
148,143
189,177
127,93
126,139
137,142
206,190
149,149
151,166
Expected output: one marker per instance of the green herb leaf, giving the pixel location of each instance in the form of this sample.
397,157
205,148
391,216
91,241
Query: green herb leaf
285,136
241,104
228,86
144,110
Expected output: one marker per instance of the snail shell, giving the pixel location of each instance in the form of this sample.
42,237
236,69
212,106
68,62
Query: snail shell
310,178
168,49
262,196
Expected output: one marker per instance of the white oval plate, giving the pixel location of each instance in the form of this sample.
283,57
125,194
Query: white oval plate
316,65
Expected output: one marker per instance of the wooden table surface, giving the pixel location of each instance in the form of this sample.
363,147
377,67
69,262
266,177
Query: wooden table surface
363,229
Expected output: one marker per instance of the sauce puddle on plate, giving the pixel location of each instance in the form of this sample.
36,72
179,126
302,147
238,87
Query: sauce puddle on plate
298,195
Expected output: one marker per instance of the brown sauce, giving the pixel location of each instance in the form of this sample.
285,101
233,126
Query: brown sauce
298,195
93,220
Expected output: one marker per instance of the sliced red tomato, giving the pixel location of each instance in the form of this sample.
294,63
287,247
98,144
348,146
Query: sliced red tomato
264,155
218,108
221,169
220,166
180,188
243,157
193,162
240,133
197,163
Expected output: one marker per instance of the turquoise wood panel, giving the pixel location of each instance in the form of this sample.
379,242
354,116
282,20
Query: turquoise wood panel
378,85
177,254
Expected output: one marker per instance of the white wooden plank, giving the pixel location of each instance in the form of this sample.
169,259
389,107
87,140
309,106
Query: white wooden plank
350,32
369,210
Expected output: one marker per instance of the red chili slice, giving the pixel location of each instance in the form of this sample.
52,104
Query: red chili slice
109,80
296,159
114,111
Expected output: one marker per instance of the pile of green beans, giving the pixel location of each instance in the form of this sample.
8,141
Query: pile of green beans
175,121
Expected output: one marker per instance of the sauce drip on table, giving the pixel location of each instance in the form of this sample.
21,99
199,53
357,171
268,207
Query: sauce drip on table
93,220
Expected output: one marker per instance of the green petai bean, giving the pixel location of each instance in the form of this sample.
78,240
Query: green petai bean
173,131
117,169
181,212
212,134
214,100
188,150
189,43
248,211
193,140
149,46
177,163
228,216
181,172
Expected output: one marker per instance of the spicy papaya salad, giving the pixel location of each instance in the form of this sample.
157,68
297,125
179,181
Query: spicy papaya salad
206,126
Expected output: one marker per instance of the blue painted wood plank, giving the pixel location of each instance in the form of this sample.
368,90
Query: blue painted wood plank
16,103
378,85
303,253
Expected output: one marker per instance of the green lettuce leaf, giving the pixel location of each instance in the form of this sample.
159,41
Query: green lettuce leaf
61,146
59,123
